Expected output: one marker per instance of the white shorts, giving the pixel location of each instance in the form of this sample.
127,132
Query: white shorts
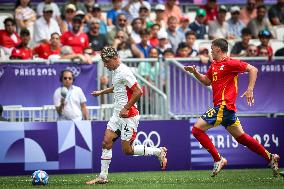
126,126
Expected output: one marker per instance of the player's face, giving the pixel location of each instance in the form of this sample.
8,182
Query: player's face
67,79
215,52
111,64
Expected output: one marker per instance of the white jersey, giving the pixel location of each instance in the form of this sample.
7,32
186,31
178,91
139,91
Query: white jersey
123,82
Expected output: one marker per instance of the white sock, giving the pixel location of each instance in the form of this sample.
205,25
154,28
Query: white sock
105,161
142,150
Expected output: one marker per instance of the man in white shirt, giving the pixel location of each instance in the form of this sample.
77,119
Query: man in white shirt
125,119
70,104
45,26
56,12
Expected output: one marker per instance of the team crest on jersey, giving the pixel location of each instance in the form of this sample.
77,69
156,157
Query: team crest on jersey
82,40
222,67
70,38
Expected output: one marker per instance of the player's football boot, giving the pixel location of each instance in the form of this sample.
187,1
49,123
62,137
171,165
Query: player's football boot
218,166
98,180
163,158
274,164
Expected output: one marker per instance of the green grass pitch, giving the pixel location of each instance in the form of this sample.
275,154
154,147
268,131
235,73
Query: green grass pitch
229,179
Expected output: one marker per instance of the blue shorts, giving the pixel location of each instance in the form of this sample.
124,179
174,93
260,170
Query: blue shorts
220,115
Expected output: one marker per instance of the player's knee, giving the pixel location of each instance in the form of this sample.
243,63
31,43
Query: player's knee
106,145
127,150
195,131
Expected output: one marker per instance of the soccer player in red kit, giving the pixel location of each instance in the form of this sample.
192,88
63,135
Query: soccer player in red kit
223,75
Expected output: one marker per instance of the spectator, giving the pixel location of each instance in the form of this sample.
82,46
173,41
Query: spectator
163,41
159,13
211,9
263,52
9,38
239,49
219,28
121,24
23,51
264,37
172,10
169,53
276,13
126,48
190,38
137,27
251,51
248,12
182,50
144,13
56,12
97,14
260,22
154,41
45,26
97,40
235,24
69,14
144,46
175,37
114,12
184,23
76,39
203,54
44,50
25,16
198,25
77,4
133,7
70,104
280,52
89,5
1,112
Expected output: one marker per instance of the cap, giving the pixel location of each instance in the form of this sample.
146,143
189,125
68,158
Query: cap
108,53
47,7
200,12
235,9
146,6
184,18
77,19
160,7
70,6
162,34
80,12
222,8
265,33
97,7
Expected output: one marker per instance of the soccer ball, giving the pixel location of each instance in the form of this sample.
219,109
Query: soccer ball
39,177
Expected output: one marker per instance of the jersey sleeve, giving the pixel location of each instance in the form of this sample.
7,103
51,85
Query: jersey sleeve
130,79
209,73
238,66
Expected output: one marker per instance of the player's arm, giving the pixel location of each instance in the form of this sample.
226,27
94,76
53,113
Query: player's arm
104,91
137,93
84,111
252,79
201,77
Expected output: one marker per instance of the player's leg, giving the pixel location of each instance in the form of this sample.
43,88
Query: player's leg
238,133
109,138
128,135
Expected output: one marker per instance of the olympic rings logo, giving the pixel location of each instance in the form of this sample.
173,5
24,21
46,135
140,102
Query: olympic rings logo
75,70
151,140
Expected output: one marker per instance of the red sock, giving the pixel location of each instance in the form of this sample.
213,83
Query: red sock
205,141
253,145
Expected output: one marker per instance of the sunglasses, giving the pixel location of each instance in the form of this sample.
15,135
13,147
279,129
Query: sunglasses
252,51
68,78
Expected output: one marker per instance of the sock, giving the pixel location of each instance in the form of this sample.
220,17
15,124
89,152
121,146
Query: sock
254,146
105,162
205,141
142,150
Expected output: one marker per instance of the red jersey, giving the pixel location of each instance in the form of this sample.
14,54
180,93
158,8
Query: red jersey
44,50
211,14
9,41
269,50
77,41
22,53
224,78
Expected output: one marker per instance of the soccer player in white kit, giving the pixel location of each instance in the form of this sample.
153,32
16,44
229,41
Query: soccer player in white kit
125,118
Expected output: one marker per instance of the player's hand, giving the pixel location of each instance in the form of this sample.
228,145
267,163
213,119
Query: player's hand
96,93
249,96
124,113
191,69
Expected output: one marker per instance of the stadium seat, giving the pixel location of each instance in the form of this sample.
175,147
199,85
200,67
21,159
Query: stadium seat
276,44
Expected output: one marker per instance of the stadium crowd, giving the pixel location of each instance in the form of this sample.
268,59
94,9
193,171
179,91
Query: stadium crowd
79,30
